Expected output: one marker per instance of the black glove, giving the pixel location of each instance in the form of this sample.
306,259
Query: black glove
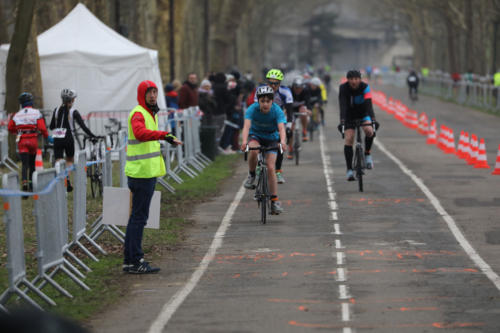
376,124
170,138
339,127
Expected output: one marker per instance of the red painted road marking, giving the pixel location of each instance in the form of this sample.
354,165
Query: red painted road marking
367,326
430,308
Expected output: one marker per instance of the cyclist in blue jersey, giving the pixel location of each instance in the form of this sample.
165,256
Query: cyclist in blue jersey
355,100
284,99
264,126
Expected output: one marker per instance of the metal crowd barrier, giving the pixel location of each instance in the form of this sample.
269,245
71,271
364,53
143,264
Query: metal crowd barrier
476,92
4,152
51,210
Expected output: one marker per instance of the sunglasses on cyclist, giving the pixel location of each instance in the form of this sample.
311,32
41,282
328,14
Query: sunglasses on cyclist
273,83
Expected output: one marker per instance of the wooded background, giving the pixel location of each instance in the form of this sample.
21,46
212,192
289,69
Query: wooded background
454,36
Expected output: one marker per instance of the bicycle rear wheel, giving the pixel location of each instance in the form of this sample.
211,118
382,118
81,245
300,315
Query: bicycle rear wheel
296,146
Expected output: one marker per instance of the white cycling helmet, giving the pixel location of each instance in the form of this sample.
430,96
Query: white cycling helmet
316,81
265,91
68,95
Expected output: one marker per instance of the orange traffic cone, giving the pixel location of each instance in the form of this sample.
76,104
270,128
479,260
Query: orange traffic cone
450,142
432,135
460,147
482,162
442,138
423,124
473,149
38,160
497,164
467,149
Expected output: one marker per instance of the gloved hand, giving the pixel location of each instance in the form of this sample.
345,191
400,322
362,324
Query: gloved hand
170,138
50,139
339,127
376,124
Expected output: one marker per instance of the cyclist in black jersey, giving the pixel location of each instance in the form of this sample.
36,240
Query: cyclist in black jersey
63,125
355,100
301,103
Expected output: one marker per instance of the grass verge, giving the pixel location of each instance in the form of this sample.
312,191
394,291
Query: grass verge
106,279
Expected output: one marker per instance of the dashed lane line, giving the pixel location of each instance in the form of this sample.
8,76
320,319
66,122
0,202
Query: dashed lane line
459,236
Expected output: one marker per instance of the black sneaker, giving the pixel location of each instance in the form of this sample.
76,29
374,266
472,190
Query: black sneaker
142,268
126,267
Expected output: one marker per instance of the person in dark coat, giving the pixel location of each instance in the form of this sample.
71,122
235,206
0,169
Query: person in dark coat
206,102
188,94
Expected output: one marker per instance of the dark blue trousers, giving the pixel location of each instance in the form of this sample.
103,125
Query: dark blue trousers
142,191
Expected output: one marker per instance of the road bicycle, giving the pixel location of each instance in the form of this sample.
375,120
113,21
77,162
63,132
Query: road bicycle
95,149
314,121
359,163
262,194
413,94
297,135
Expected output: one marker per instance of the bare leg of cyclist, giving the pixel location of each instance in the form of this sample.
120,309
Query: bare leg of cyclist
271,174
252,156
348,152
303,120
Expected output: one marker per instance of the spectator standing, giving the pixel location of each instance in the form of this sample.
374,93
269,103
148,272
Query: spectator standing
206,102
144,164
172,99
188,94
27,124
221,95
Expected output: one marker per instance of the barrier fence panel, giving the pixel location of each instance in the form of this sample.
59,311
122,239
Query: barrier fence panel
48,230
122,154
196,139
16,266
80,206
181,163
4,152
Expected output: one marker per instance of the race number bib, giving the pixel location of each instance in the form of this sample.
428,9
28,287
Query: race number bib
59,133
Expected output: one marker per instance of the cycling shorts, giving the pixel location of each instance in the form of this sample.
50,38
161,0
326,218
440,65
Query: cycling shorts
265,142
350,124
64,146
28,145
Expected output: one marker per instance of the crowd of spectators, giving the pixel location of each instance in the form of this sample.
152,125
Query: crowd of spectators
222,97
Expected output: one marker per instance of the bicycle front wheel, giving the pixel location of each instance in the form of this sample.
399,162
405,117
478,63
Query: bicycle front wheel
296,146
264,196
358,166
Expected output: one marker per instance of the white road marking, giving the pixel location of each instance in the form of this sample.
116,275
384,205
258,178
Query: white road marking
176,300
333,205
338,244
331,195
346,330
336,229
341,276
346,316
343,292
340,258
459,236
334,216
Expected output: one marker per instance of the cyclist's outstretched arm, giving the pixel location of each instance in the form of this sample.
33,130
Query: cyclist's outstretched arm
78,119
282,131
244,135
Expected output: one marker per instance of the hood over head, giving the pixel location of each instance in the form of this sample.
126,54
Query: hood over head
141,94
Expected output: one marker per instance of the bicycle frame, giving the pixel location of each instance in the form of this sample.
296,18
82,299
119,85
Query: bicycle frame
297,135
262,194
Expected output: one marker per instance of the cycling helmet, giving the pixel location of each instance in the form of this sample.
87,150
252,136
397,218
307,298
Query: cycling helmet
298,82
353,73
265,91
316,81
68,95
25,99
275,74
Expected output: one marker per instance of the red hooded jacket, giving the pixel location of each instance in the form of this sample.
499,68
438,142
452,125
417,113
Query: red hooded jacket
141,133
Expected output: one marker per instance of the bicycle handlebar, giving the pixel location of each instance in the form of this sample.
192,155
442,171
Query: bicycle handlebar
263,149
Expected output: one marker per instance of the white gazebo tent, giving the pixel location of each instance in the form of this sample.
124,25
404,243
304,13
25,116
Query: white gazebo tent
105,68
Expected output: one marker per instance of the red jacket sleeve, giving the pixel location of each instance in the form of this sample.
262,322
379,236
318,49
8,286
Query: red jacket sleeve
141,133
12,126
40,124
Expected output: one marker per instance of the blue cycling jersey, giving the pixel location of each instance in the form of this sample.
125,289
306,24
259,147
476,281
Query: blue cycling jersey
265,125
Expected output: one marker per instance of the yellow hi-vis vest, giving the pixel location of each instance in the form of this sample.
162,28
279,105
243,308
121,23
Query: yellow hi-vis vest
144,159
496,79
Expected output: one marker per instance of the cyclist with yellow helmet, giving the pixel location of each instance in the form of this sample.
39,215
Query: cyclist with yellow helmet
283,97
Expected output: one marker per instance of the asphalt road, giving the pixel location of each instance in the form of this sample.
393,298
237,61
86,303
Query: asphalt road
338,260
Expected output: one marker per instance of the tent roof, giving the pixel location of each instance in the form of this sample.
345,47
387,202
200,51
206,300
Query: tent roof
81,31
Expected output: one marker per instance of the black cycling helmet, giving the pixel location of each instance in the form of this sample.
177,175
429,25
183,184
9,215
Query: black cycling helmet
265,91
353,73
25,99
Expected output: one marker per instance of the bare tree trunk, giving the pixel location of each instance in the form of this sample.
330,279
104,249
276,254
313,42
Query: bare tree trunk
4,37
31,78
15,59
